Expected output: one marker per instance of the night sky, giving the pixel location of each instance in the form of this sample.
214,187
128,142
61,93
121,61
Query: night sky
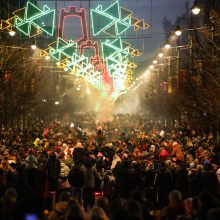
153,11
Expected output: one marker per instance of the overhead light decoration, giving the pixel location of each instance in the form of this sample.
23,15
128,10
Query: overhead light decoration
167,45
88,91
47,57
178,31
155,61
110,68
195,8
12,33
33,46
160,55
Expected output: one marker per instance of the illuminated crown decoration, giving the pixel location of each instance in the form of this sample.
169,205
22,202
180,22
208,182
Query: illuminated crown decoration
109,69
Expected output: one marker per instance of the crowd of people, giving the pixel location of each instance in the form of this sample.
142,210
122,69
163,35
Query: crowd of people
128,168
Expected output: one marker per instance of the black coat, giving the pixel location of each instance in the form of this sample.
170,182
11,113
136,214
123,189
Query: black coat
125,182
76,177
53,167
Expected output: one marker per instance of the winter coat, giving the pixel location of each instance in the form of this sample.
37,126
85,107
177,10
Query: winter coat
181,182
76,177
53,167
90,174
125,182
164,183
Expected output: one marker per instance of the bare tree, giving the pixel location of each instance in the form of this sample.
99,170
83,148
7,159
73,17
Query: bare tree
20,77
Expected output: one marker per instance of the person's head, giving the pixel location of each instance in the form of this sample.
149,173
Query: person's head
97,213
150,166
103,203
4,161
10,197
199,168
152,149
53,155
218,175
74,211
134,210
5,153
175,198
188,206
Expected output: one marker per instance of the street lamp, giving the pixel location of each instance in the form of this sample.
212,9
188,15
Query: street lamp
178,31
12,33
195,8
155,61
47,57
160,55
167,45
33,45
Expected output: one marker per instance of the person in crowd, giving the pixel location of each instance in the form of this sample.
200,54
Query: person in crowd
177,152
125,180
150,182
78,152
152,171
8,204
97,213
164,184
53,169
174,208
90,173
181,179
103,203
74,211
31,159
76,180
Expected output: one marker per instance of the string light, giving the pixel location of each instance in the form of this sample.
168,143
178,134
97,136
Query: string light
160,55
195,8
47,57
33,47
12,33
155,61
178,32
